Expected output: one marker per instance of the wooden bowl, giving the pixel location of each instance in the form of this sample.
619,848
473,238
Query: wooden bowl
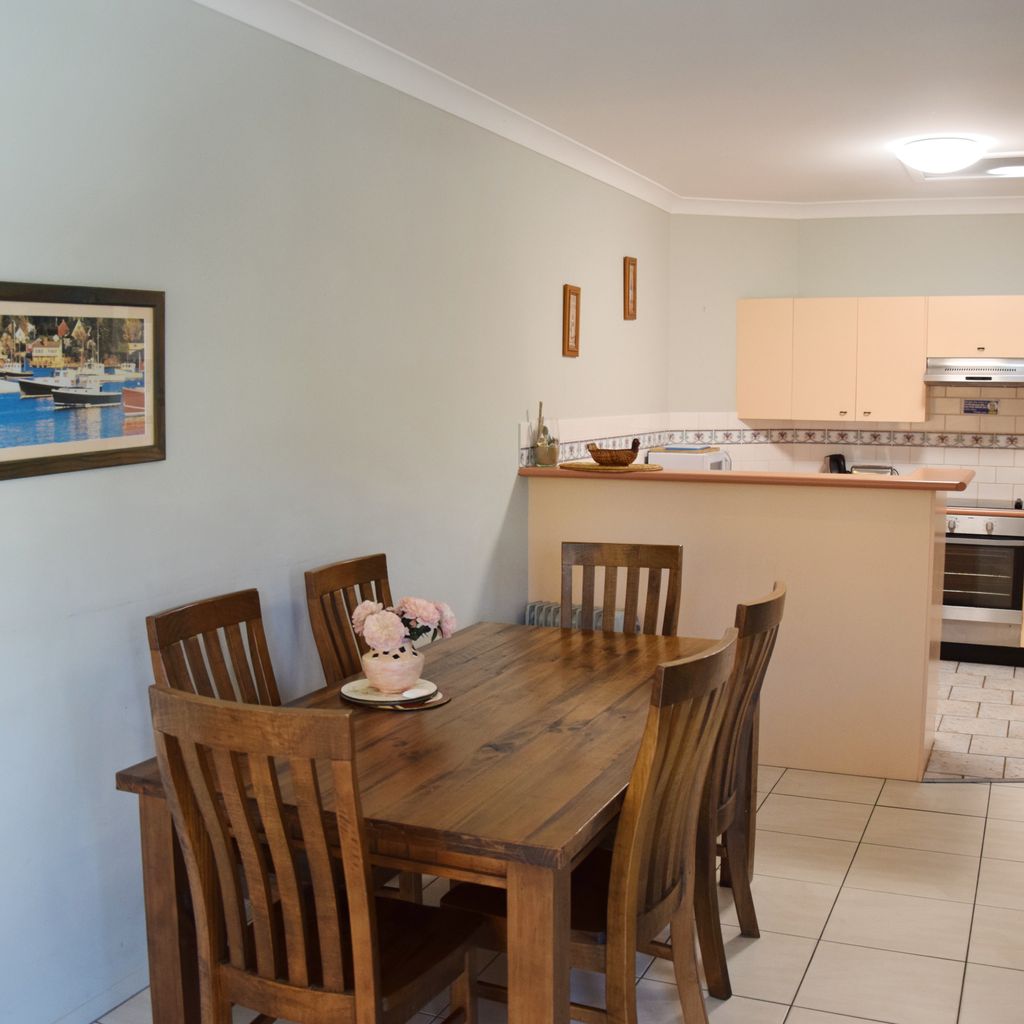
615,456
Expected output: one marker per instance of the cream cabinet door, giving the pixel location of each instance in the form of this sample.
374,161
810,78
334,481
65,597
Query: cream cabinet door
764,359
891,358
824,359
983,326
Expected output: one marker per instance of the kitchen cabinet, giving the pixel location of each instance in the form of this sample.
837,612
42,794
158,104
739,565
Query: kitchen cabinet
982,326
891,354
764,359
824,359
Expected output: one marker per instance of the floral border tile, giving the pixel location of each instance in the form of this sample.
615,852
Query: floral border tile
876,437
908,437
752,436
842,436
728,436
810,435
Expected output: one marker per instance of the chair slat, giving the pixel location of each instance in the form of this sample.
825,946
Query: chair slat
652,601
321,870
245,831
176,668
611,581
565,612
197,666
629,617
223,684
587,615
268,800
240,664
263,669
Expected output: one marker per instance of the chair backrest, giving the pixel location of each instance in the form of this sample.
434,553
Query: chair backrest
332,593
656,836
757,624
201,648
245,787
655,558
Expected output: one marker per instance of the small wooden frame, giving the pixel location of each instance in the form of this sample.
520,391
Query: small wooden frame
629,288
570,320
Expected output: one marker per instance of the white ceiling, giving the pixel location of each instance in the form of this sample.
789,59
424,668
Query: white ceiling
767,101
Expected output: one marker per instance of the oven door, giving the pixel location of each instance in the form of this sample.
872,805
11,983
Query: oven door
984,579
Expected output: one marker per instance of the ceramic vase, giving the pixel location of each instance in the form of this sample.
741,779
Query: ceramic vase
393,671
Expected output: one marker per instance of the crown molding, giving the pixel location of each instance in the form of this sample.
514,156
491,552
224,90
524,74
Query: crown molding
294,22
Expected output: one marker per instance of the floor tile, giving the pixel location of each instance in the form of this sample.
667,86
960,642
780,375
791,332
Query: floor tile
1001,884
798,1015
881,985
1011,712
830,786
980,693
965,708
941,776
992,995
904,924
767,776
997,938
137,1010
802,857
1016,728
784,905
1007,803
940,876
1003,746
925,830
952,799
738,1010
824,819
988,671
953,742
768,968
1003,683
974,726
1004,840
1014,768
978,765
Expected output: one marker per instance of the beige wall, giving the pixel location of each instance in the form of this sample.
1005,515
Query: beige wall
363,298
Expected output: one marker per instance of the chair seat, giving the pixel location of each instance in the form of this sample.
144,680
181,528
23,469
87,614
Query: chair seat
590,883
416,940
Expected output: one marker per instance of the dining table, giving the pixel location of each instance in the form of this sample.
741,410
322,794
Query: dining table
509,784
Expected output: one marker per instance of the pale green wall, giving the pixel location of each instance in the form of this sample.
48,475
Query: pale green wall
717,260
363,299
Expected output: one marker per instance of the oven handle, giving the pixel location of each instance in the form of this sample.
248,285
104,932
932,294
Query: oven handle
1001,542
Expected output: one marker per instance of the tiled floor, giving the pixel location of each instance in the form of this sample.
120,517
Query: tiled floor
980,732
878,901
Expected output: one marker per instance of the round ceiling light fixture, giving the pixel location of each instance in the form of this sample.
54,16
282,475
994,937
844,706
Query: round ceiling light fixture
940,154
1008,171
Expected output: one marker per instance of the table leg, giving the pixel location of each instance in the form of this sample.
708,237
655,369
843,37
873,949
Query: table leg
170,932
538,944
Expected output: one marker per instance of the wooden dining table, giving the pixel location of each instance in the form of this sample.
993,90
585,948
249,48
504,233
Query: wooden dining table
509,784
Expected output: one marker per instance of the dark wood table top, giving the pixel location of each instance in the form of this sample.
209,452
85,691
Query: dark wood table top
528,761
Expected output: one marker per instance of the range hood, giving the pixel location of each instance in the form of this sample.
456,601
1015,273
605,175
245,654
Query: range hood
975,371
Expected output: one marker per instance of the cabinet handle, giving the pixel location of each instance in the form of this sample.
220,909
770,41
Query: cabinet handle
842,412
867,412
981,348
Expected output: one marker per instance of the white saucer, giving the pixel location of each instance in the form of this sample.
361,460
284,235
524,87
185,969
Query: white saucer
359,691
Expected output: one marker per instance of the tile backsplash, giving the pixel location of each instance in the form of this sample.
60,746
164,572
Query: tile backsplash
990,445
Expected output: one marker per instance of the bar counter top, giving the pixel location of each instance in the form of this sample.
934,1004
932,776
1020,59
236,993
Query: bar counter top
919,480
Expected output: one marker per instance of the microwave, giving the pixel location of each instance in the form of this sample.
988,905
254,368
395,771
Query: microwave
680,461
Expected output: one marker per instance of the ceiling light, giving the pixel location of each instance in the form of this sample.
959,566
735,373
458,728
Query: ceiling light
1008,171
940,154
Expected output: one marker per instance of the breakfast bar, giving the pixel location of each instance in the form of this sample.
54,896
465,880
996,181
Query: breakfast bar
854,676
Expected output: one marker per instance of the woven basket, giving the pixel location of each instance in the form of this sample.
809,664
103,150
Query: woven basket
615,456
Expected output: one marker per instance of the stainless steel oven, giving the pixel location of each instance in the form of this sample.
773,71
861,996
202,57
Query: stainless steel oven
983,589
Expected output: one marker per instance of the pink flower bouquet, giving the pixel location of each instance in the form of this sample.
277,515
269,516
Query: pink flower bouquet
386,629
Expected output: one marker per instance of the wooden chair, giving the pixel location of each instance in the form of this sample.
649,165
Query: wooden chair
246,787
621,899
199,648
656,558
332,593
729,807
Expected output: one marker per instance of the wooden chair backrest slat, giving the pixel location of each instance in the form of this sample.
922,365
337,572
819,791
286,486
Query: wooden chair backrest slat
200,648
224,767
332,594
656,559
758,627
657,828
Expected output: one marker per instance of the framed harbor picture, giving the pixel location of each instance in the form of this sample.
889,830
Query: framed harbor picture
81,378
570,320
629,288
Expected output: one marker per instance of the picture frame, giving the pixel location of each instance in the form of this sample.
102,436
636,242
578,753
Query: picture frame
81,378
629,288
570,321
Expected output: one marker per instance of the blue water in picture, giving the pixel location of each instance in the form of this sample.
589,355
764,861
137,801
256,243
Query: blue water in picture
31,421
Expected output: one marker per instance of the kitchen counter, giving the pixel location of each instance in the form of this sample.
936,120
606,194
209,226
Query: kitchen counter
919,480
854,680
